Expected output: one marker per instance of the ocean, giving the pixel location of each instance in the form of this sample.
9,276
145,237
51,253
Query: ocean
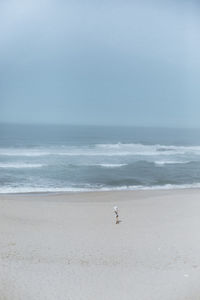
55,158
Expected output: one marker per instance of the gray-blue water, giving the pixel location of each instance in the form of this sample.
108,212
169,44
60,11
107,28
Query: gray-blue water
52,158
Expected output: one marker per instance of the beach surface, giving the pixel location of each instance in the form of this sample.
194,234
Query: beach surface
68,247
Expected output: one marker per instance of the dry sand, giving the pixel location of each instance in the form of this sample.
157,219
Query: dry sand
68,247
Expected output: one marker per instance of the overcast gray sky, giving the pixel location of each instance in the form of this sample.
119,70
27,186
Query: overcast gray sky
100,62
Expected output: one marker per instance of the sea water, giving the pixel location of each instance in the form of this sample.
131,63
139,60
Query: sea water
55,158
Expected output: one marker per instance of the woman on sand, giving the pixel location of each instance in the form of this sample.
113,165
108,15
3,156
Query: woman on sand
116,210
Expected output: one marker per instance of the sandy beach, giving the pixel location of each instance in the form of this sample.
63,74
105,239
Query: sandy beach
68,247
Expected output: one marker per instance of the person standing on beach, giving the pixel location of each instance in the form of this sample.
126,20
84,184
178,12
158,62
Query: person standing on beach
116,211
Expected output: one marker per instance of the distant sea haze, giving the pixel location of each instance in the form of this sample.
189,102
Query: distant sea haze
36,158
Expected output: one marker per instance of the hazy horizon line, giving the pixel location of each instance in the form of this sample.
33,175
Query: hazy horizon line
97,125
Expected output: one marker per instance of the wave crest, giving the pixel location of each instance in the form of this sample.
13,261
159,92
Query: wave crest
18,190
170,162
118,149
19,165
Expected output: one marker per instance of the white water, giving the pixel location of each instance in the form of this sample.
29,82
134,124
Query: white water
15,190
170,162
103,150
20,165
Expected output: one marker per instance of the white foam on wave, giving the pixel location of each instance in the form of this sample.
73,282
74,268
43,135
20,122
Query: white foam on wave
104,165
157,149
155,187
23,152
170,162
18,190
104,150
111,165
24,190
19,165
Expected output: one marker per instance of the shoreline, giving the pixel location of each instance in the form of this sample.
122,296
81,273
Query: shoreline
100,192
45,193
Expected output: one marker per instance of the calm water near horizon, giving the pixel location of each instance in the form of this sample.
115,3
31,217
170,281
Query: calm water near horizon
53,158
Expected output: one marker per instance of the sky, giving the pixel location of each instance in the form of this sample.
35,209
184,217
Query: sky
105,62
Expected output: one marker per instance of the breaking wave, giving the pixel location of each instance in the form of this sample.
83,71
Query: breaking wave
103,150
170,162
111,165
19,165
19,190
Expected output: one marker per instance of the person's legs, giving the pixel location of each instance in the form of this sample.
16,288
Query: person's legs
117,219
